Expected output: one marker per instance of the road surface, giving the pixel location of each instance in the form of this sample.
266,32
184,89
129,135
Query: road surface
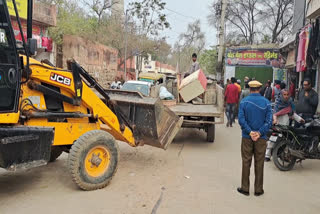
192,177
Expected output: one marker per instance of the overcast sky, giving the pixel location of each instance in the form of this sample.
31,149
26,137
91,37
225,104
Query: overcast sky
182,12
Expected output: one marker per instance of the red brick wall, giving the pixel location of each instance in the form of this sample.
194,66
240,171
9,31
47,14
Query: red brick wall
99,60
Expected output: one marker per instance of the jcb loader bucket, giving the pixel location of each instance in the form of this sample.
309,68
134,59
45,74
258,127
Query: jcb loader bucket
153,123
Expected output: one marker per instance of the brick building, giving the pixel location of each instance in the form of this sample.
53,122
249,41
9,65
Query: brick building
44,16
99,60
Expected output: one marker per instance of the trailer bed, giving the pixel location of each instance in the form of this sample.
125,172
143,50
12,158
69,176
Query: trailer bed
188,109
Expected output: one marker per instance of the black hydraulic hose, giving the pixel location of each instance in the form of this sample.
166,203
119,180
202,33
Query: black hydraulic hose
23,40
29,19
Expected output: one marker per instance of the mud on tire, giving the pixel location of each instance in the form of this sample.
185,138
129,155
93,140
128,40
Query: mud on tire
78,158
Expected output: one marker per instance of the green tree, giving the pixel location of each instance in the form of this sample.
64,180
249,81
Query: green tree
208,61
71,20
149,16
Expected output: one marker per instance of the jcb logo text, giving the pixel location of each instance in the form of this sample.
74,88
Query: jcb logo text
60,79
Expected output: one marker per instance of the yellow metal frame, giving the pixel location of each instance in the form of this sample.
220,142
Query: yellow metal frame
66,133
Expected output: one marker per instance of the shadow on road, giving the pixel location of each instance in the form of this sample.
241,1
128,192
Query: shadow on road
190,136
14,183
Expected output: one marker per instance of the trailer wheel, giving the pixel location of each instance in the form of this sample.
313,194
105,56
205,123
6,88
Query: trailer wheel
93,160
211,130
211,133
56,151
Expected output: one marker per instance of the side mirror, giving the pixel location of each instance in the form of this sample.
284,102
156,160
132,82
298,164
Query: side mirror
32,46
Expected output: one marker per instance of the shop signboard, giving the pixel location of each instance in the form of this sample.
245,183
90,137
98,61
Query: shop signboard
22,6
252,57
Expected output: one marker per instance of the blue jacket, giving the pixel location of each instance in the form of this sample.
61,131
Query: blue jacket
255,114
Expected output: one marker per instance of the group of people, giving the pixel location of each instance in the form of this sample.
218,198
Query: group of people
286,110
278,94
259,107
233,96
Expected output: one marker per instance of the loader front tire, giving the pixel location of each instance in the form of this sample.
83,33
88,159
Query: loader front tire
93,160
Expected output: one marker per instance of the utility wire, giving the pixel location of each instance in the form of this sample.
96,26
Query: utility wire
173,11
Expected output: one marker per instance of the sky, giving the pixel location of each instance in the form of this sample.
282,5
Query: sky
181,12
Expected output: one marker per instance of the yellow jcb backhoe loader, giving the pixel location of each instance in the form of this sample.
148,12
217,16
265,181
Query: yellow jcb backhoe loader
45,110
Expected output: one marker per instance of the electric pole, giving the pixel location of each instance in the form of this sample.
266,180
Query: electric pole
125,45
222,37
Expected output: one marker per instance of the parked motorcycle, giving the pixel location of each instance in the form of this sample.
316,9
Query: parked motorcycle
294,145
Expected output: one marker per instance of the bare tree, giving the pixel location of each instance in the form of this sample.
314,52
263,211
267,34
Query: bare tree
242,16
192,41
194,37
250,21
278,16
99,7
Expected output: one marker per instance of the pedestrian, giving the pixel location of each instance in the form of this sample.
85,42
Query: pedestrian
292,89
245,92
307,101
255,119
246,80
238,84
195,66
116,84
276,90
283,85
268,91
263,89
231,100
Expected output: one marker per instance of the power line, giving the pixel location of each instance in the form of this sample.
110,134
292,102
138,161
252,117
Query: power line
175,18
173,11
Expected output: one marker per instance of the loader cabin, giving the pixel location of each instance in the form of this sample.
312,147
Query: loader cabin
9,75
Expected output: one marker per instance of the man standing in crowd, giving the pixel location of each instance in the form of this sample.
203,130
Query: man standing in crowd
228,81
268,91
238,84
255,119
292,89
246,81
307,101
245,92
276,90
231,100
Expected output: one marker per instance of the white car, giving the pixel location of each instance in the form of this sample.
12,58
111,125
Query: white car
139,86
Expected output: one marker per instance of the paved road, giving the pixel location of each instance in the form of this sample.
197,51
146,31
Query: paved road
192,177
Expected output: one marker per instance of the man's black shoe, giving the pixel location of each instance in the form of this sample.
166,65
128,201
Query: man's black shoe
267,159
259,193
243,192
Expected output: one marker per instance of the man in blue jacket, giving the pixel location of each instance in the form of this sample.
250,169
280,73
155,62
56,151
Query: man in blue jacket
255,119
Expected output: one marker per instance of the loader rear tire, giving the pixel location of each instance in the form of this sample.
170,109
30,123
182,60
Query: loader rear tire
93,160
55,153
